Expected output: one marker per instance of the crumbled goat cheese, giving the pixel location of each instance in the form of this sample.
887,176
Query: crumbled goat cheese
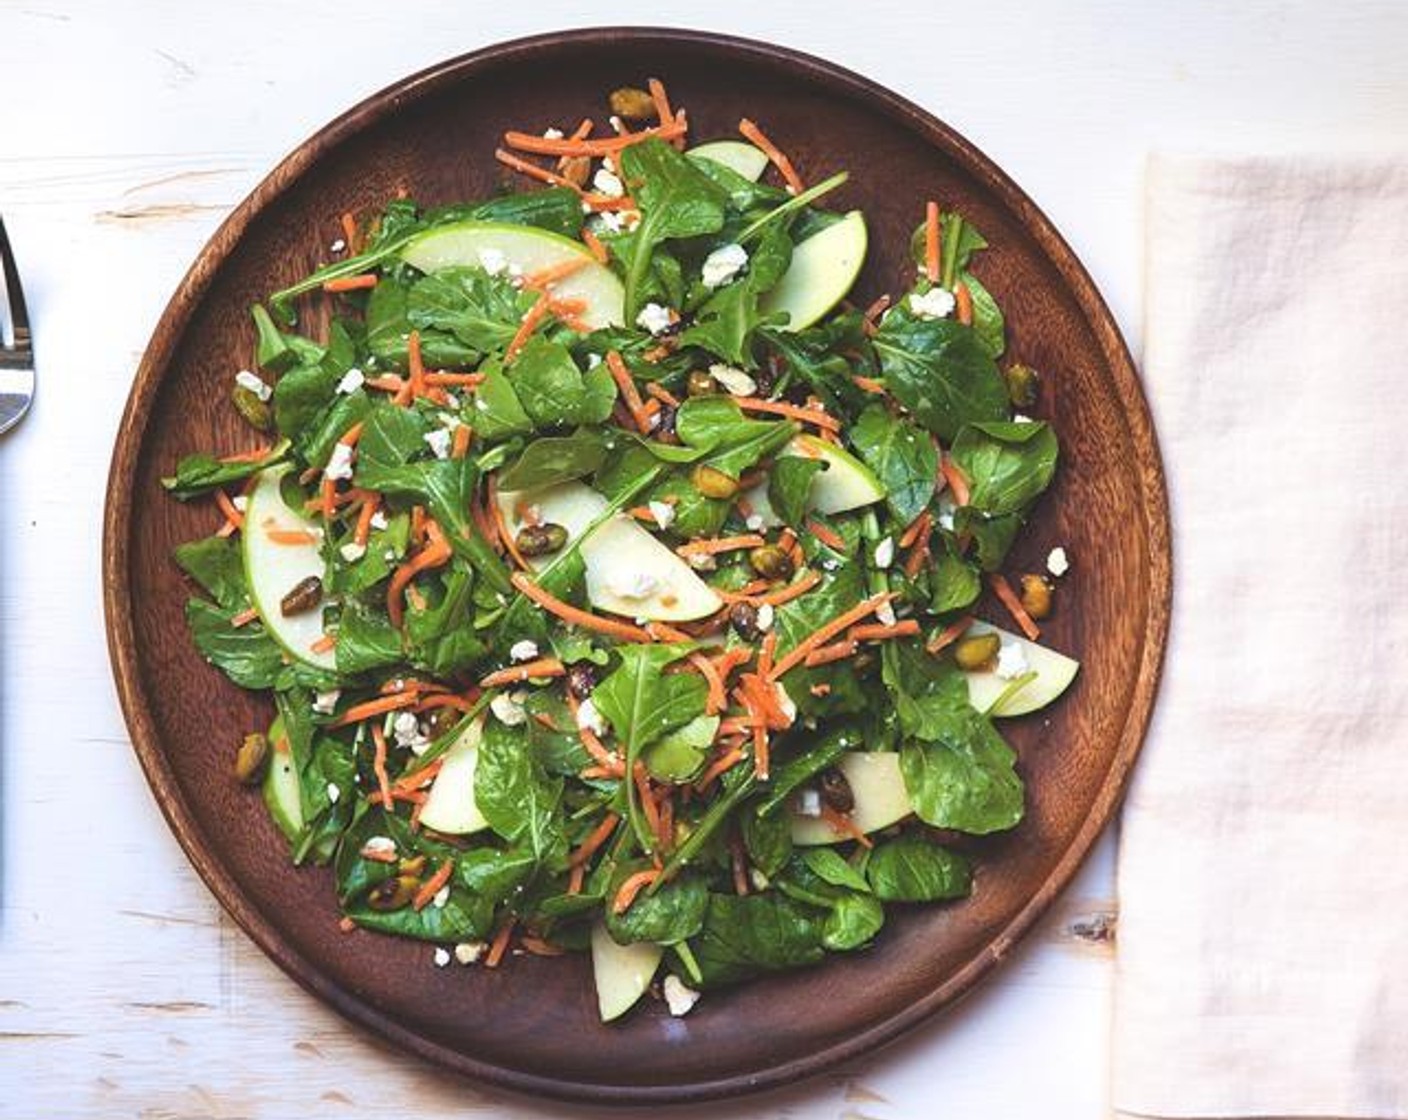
407,730
809,803
679,999
439,441
352,551
738,383
553,134
379,846
936,303
723,264
523,650
593,360
654,318
885,553
754,521
608,184
1011,661
379,520
240,502
508,709
339,464
765,618
885,614
663,512
351,381
492,261
613,221
325,702
1022,418
467,952
442,957
333,792
632,585
1057,563
256,385
441,897
589,719
757,879
784,702
337,246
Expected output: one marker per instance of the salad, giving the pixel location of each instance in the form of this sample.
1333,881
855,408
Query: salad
616,581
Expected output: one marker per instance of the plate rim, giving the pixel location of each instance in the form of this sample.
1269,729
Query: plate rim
155,365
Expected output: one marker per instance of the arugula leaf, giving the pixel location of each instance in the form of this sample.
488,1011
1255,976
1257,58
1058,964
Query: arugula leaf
790,485
965,778
902,457
442,636
483,312
392,434
389,329
938,370
517,796
817,356
733,443
912,869
272,351
1007,465
498,413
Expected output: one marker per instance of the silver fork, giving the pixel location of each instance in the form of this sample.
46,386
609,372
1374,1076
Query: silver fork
17,358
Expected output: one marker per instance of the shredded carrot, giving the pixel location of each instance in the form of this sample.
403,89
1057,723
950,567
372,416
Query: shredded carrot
868,384
662,102
838,625
533,171
842,823
432,885
766,654
419,779
387,383
647,802
662,394
495,515
459,444
576,878
822,689
530,322
575,616
931,242
346,925
601,772
290,536
594,246
837,651
599,836
546,277
362,533
720,544
956,482
433,555
949,634
718,696
726,761
666,833
227,507
244,618
541,145
626,383
499,946
351,283
327,497
383,780
748,593
1003,590
920,553
730,660
964,299
251,456
349,232
543,667
663,632
443,378
826,536
784,165
632,886
324,644
877,632
795,412
917,528
876,309
797,588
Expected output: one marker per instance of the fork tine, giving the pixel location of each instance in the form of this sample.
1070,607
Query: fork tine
19,317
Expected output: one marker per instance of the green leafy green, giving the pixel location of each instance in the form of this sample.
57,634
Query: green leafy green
938,370
964,777
1007,465
790,485
517,796
743,936
555,459
902,457
911,868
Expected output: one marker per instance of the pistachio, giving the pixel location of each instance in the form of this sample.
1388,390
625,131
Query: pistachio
835,790
1036,595
771,562
306,594
539,540
701,384
581,679
394,893
412,865
744,619
1023,385
257,413
633,104
713,483
577,170
251,759
977,651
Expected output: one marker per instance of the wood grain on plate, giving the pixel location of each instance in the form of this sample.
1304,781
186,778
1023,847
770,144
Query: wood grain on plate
532,1024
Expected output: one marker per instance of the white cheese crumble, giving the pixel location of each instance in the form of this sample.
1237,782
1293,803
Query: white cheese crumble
351,381
339,463
442,957
608,184
254,383
679,999
757,879
936,303
663,512
754,521
784,702
702,562
508,709
379,520
492,261
589,719
439,441
593,360
613,221
885,553
809,803
885,614
240,502
467,952
407,730
1011,661
337,246
352,551
553,134
632,585
324,703
1022,418
334,792
654,318
723,264
524,650
379,846
766,616
738,383
1057,562
441,897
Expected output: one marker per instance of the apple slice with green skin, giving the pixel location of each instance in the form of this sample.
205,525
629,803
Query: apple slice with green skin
1054,673
880,798
450,806
524,250
282,794
845,484
745,159
823,268
282,548
622,972
629,572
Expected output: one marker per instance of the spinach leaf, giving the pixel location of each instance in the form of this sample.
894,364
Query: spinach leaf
954,584
992,536
734,444
555,459
442,636
517,796
725,323
1007,465
201,473
557,209
392,434
988,322
553,391
315,443
902,457
938,370
743,194
767,840
754,933
667,916
816,355
676,200
789,487
854,921
965,778
828,865
680,755
926,690
389,330
912,869
366,640
246,654
217,564
483,312
498,413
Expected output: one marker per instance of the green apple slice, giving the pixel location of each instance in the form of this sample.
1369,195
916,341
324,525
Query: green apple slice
523,250
845,484
1054,673
745,159
823,268
628,571
273,567
450,806
622,972
282,794
880,798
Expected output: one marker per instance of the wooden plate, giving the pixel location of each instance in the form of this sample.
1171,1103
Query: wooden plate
532,1025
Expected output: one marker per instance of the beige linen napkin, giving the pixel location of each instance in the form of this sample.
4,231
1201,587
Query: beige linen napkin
1263,869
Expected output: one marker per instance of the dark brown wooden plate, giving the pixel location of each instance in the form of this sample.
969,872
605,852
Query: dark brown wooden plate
532,1025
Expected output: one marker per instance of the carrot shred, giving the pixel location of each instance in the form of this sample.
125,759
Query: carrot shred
530,322
784,165
915,560
576,878
797,588
725,762
432,885
383,780
495,515
459,444
541,145
443,378
730,660
931,242
351,283
822,689
346,925
876,309
546,277
647,802
227,507
766,654
837,651
290,536
662,394
244,618
253,455
662,102
663,632
1003,590
718,697
877,632
533,171
499,946
349,232
387,383
436,552
843,824
599,836
575,616
949,634
543,667
964,300
594,246
829,630
324,644
632,886
868,384
916,529
362,533
826,536
814,416
955,479
626,383
720,544
419,779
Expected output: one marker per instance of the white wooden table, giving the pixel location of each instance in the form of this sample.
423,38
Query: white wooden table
128,131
